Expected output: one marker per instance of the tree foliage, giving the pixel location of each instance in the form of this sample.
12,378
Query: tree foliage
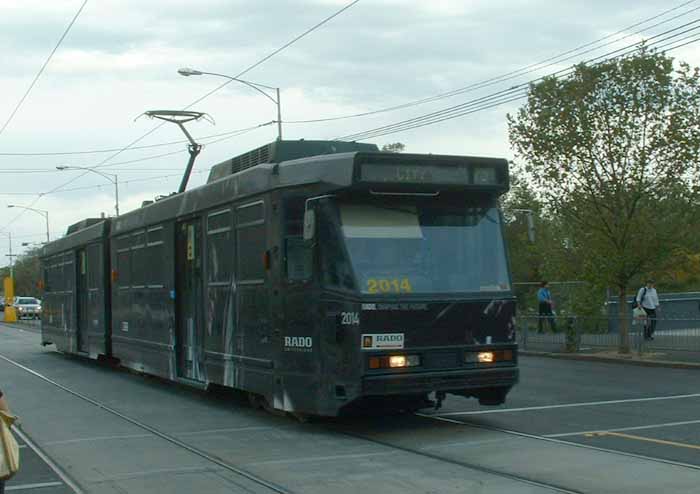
27,274
394,147
614,153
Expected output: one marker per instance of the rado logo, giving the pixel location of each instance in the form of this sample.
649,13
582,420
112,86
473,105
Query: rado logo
298,343
389,338
382,341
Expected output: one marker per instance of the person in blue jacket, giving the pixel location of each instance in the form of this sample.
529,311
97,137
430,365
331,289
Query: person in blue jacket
546,306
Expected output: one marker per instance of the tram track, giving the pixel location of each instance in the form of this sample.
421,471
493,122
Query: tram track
259,481
271,486
553,440
465,464
275,488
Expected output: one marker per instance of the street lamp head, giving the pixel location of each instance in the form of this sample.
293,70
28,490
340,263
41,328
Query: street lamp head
61,168
10,205
186,71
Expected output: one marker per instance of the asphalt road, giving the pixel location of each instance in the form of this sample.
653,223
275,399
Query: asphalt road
569,426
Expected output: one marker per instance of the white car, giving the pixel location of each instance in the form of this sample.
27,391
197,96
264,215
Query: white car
27,307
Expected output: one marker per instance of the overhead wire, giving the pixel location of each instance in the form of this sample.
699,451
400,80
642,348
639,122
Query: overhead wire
484,102
478,85
248,69
128,162
468,107
41,70
480,104
135,148
548,62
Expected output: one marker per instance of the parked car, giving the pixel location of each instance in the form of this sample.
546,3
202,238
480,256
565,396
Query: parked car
27,307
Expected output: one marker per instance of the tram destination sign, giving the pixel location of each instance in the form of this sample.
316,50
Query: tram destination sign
428,173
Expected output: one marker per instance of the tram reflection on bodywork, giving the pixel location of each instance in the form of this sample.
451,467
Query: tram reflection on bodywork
317,276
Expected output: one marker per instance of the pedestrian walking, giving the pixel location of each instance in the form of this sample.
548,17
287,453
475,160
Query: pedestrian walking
546,307
648,300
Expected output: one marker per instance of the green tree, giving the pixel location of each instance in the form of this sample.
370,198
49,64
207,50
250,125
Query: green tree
614,151
394,147
27,274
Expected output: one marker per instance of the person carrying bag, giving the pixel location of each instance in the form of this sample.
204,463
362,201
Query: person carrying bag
9,449
648,300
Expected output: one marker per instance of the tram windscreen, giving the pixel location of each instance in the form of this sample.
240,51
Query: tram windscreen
425,248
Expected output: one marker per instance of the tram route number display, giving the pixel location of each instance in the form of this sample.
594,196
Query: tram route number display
452,174
389,285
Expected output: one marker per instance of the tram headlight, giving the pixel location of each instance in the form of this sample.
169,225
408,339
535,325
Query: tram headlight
489,357
394,361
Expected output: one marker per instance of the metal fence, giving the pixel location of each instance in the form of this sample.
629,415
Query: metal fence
680,337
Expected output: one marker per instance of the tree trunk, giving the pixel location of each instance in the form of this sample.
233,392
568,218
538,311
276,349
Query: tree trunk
623,320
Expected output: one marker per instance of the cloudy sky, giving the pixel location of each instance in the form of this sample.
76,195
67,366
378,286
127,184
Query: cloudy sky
120,58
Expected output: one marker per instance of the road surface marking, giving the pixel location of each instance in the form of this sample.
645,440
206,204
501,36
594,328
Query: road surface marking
99,438
24,487
562,442
624,429
570,405
647,439
219,431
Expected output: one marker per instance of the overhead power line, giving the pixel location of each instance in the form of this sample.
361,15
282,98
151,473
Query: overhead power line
546,63
38,195
135,148
240,74
41,70
489,101
222,137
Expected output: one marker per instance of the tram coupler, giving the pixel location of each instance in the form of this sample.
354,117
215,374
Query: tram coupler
439,397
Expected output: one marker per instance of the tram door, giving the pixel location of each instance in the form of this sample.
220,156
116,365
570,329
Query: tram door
81,291
188,300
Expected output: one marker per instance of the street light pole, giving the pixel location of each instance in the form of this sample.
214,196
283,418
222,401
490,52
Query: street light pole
42,212
12,266
185,71
109,176
279,115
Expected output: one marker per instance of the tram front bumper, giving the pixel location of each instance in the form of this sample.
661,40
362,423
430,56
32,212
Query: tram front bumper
448,381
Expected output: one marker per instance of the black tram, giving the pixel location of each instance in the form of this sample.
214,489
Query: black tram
314,275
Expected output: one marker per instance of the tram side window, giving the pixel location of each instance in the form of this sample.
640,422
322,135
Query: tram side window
251,242
219,247
139,260
156,257
68,272
94,260
123,262
298,253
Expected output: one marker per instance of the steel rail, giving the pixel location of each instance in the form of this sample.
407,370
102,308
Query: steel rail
464,464
558,441
62,474
167,437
